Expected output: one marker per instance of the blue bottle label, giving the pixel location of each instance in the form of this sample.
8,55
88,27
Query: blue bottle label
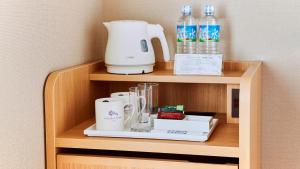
209,33
186,33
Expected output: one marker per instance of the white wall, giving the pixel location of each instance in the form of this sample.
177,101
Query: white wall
36,38
39,36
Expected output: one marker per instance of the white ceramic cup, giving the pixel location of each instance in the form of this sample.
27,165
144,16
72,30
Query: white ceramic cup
109,114
124,96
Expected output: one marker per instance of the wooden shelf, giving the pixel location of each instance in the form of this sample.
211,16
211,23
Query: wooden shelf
233,73
163,75
224,142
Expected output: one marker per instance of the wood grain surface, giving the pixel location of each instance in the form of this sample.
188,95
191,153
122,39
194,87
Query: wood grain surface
104,162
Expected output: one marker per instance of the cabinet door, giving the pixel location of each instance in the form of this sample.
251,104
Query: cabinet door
104,162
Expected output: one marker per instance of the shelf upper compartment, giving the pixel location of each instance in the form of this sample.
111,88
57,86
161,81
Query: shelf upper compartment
232,74
224,142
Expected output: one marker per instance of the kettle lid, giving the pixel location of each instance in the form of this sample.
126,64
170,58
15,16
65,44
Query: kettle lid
129,21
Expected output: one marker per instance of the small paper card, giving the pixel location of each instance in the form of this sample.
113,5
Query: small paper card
198,64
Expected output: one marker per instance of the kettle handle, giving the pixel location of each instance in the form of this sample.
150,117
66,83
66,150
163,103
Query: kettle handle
157,31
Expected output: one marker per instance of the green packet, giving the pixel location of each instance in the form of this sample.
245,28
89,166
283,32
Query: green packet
171,108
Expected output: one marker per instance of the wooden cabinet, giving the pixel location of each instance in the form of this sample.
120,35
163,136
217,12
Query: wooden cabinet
69,109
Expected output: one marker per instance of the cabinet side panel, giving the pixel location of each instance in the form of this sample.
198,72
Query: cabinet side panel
50,122
250,121
256,121
69,100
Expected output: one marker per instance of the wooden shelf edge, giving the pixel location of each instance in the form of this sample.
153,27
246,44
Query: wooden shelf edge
234,72
118,145
218,145
101,76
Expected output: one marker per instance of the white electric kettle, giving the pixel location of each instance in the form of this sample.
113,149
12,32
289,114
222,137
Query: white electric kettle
129,49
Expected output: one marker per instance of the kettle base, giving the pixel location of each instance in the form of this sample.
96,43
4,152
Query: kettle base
129,69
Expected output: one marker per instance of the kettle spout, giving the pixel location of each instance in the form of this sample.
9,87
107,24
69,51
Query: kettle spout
107,25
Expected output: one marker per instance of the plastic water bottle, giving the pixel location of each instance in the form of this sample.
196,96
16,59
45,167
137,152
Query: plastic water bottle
209,32
186,32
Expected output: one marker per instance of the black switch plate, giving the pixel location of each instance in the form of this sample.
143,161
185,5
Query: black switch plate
235,103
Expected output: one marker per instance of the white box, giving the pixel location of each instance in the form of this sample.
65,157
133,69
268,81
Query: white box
198,64
189,123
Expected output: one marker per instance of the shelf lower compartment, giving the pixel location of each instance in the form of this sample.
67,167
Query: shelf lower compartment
224,142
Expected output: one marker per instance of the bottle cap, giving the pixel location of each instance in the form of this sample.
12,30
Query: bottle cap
186,10
209,10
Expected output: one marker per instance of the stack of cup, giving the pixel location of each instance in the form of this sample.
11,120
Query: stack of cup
133,110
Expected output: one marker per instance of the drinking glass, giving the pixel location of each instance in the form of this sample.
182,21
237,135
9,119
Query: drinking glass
150,91
138,119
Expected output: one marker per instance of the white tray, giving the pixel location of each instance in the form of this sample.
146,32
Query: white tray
154,134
